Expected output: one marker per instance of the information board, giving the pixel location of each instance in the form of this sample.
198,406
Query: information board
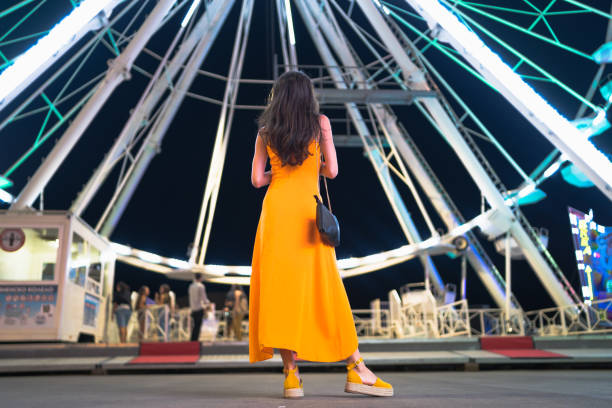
27,306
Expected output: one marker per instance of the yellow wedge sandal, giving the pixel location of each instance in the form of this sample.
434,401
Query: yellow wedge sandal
293,387
355,385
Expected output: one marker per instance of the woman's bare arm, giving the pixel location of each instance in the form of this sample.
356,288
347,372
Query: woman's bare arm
329,167
259,176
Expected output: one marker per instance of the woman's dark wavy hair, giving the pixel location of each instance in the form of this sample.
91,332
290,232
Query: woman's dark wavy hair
291,118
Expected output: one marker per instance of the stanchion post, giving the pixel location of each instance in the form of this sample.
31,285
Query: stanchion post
508,282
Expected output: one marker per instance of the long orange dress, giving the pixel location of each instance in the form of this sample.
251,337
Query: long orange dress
297,298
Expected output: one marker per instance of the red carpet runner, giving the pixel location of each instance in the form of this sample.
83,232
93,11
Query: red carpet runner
168,353
515,347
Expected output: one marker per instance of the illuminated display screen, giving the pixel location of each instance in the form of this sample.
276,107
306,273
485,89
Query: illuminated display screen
593,244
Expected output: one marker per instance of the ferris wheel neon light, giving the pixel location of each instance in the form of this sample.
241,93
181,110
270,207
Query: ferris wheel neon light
190,12
24,66
5,196
525,98
290,22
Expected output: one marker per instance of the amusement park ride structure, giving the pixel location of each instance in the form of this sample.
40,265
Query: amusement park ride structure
365,85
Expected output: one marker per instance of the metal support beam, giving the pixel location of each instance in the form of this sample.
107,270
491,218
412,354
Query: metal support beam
213,182
396,202
463,290
415,78
348,141
218,10
118,73
208,24
508,277
433,189
13,75
428,265
362,96
348,58
553,158
556,128
287,34
446,209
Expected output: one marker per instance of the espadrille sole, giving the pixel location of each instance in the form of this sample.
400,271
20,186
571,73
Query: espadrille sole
355,388
293,392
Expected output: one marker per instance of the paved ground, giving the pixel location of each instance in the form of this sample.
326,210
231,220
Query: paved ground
491,389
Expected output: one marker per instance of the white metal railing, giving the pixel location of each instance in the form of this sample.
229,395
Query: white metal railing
372,323
161,325
453,319
418,321
181,331
400,320
486,322
493,322
417,314
154,323
560,321
157,323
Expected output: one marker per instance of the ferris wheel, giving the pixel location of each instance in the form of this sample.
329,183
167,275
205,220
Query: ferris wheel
374,55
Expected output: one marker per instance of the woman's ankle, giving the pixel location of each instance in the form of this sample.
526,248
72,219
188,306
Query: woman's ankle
288,357
353,358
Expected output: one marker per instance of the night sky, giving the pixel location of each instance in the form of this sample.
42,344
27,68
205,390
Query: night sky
161,218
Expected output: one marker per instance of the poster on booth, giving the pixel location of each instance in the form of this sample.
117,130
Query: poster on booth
27,306
90,314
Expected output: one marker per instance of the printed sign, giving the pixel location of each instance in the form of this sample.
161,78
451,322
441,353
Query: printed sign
90,314
77,275
27,306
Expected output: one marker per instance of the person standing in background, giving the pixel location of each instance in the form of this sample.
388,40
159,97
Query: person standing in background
163,298
236,307
122,309
142,303
198,301
229,304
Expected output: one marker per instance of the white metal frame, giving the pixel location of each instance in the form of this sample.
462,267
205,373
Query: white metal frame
202,39
118,73
213,182
416,78
90,15
310,12
556,128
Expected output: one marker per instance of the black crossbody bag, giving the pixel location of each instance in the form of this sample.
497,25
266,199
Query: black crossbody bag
327,223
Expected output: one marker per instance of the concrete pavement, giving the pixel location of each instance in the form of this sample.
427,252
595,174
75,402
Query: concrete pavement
490,389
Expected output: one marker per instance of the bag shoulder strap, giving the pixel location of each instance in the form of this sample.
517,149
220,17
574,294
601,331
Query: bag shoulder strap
324,178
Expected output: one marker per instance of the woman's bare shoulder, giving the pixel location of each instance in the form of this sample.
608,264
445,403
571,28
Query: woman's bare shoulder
324,120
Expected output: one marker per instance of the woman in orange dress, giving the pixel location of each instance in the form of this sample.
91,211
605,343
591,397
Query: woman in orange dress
298,303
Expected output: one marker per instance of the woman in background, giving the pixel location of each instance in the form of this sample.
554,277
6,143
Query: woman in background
236,307
142,302
163,298
122,308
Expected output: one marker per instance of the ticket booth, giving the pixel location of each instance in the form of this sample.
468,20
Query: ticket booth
56,276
